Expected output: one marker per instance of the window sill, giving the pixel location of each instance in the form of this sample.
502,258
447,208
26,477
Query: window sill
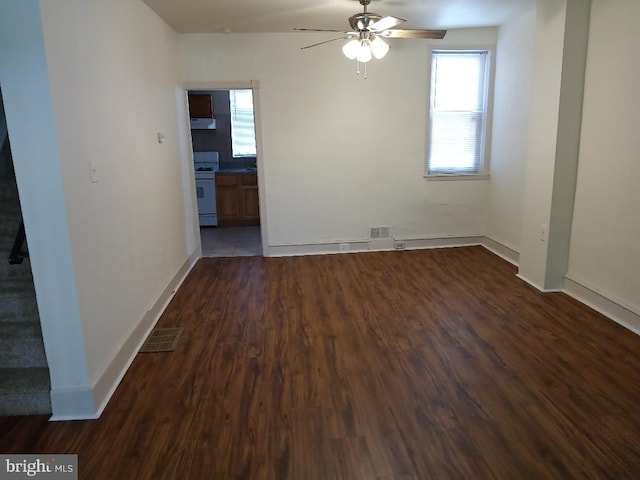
456,176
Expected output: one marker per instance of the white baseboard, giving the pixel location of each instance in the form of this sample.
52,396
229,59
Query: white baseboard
538,287
624,315
316,249
88,403
503,251
359,246
73,404
442,242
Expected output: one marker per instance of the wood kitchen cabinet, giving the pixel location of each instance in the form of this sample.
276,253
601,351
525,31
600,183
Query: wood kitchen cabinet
237,199
200,105
249,203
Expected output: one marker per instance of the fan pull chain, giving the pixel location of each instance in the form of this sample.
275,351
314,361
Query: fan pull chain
358,69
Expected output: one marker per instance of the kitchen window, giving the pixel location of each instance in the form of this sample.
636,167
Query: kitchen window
243,133
458,113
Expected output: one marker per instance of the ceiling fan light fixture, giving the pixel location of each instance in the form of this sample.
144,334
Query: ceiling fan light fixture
366,40
351,48
364,51
379,47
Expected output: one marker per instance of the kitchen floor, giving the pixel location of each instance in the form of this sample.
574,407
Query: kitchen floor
231,241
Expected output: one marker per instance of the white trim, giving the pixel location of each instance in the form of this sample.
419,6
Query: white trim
622,314
88,402
206,86
455,176
490,73
506,252
359,246
254,85
530,282
73,404
328,248
441,242
538,287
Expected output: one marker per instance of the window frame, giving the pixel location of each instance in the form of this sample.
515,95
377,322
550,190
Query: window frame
253,118
485,139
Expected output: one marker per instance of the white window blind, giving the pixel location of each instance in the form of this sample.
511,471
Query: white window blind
457,112
243,137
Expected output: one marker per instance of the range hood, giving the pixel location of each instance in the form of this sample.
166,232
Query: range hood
203,124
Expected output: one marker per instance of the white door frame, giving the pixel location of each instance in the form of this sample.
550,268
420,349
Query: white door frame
254,85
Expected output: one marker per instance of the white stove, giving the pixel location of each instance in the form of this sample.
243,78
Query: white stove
205,165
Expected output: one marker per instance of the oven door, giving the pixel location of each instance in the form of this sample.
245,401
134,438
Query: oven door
206,196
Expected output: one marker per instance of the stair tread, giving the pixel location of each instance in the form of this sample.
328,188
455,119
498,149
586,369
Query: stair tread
16,285
10,210
19,330
21,345
33,403
25,294
19,318
20,307
15,272
24,380
25,391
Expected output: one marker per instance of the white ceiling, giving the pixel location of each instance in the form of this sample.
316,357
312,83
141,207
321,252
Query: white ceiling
242,16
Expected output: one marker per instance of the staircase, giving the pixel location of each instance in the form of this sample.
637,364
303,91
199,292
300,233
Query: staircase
24,375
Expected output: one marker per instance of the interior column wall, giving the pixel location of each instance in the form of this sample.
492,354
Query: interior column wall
604,261
554,135
512,107
38,165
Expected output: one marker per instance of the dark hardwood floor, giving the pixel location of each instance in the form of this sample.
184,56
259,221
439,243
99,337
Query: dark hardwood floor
432,364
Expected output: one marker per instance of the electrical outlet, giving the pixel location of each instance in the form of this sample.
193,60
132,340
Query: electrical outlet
399,245
344,247
93,171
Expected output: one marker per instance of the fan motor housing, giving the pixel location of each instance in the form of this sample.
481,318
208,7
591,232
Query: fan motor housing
361,21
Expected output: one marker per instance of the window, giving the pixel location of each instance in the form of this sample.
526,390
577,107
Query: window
243,134
458,112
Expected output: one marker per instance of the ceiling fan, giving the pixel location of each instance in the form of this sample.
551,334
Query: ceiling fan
366,39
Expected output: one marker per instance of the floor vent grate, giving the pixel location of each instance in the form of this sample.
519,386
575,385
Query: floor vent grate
162,340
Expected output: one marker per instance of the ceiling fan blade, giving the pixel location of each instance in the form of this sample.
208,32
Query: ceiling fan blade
322,43
386,23
400,33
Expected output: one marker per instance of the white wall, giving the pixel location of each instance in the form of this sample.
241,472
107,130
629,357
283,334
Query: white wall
341,153
37,163
111,82
605,241
512,106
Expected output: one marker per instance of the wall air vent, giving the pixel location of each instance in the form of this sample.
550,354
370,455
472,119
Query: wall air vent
379,232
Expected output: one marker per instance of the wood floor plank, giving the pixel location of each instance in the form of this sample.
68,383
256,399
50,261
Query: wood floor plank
433,364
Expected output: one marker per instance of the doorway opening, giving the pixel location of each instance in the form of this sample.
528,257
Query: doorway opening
225,165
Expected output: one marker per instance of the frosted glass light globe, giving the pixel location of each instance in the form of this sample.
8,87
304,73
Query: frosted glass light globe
379,47
364,52
350,49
